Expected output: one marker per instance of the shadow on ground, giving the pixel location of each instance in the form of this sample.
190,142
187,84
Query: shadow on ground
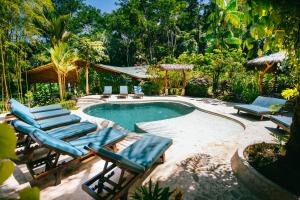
199,177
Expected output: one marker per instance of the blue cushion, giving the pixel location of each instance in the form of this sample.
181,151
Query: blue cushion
267,102
140,155
146,150
284,120
22,112
72,130
52,113
123,90
22,127
108,154
55,143
57,121
137,90
107,90
99,138
253,108
46,108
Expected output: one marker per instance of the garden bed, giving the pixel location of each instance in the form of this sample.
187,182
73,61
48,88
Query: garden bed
268,159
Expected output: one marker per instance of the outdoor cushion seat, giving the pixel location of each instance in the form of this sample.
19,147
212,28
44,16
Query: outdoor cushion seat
134,162
36,109
107,90
46,108
138,91
140,155
49,114
22,112
253,108
61,132
283,121
57,121
76,147
51,164
262,105
123,90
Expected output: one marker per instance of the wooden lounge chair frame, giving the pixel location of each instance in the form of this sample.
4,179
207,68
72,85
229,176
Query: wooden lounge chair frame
281,125
52,166
97,186
261,115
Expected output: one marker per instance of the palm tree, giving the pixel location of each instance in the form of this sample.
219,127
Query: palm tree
53,27
63,59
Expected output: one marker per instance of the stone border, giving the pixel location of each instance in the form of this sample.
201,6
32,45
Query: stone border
256,182
161,100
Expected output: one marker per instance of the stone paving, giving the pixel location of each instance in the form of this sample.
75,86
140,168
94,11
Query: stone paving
199,166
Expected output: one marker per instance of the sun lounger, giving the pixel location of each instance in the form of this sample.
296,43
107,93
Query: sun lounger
22,113
16,107
138,92
107,91
123,91
283,122
41,108
51,163
262,106
133,162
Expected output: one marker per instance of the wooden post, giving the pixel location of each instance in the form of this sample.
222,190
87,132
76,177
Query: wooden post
261,77
50,89
183,83
86,79
166,83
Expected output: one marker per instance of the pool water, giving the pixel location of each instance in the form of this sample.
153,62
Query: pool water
128,114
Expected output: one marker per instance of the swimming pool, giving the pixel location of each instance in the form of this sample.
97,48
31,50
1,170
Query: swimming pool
128,114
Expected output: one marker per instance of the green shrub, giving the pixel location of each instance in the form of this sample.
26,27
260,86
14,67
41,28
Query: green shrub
151,87
175,91
197,87
70,104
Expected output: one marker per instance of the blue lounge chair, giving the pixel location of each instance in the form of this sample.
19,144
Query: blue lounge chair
261,106
134,161
138,92
75,148
60,133
283,122
107,91
21,112
123,91
39,112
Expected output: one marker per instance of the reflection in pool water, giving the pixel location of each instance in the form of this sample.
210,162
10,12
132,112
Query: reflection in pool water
128,114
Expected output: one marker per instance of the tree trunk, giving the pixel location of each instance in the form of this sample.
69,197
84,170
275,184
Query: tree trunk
293,145
87,79
166,83
4,76
60,82
183,83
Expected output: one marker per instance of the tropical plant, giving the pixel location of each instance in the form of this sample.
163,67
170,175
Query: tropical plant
156,193
63,59
8,142
226,24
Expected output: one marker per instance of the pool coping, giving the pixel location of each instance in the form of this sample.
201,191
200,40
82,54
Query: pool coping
82,109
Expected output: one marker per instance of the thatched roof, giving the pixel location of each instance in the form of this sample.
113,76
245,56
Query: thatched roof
179,67
272,58
138,72
47,74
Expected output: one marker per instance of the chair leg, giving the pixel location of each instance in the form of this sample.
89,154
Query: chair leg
238,111
262,117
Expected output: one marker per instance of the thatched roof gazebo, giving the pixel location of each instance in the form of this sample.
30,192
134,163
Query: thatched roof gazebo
266,64
47,74
176,67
